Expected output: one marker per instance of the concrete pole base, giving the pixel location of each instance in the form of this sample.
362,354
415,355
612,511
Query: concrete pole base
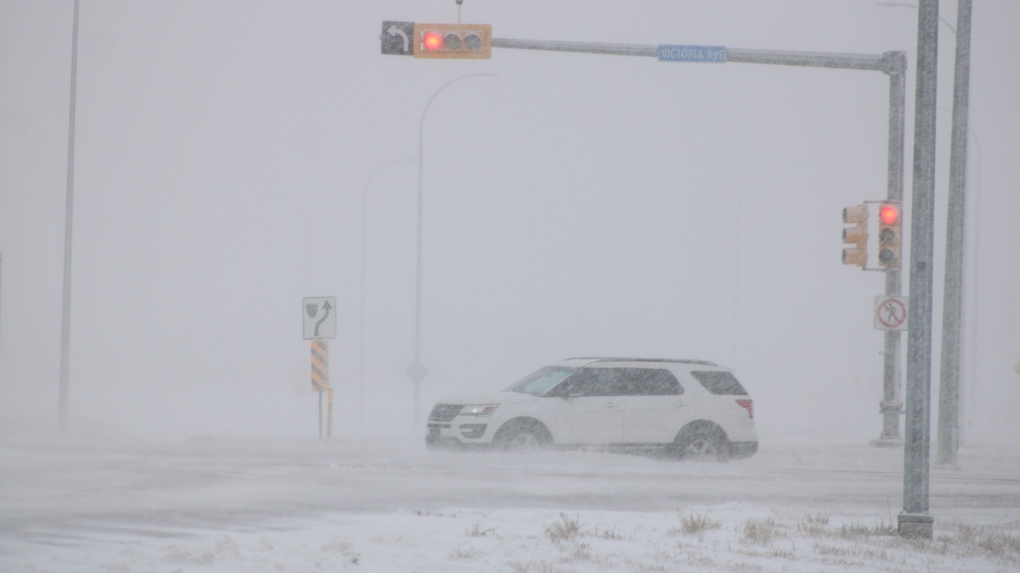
915,525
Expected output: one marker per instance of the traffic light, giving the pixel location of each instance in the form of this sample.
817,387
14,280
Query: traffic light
890,223
453,41
856,235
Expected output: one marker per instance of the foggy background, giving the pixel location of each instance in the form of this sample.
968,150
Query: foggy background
574,205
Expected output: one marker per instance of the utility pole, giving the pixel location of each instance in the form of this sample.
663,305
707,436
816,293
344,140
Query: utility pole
914,520
952,312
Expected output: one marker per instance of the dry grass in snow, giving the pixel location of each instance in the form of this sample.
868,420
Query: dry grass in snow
725,538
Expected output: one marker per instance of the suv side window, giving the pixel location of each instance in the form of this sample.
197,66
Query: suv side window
719,382
623,382
652,382
598,382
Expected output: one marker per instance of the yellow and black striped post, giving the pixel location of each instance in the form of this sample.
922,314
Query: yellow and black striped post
320,365
320,380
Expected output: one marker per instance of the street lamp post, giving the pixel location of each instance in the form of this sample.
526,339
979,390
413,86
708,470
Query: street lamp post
417,371
65,322
361,311
948,438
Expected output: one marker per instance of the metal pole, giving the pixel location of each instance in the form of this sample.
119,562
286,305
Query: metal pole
974,287
733,55
952,312
65,321
361,312
915,521
329,415
891,407
417,370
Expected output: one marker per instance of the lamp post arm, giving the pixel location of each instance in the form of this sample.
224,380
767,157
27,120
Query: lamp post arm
421,162
914,6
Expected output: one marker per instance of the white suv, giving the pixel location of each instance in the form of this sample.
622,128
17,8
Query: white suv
691,408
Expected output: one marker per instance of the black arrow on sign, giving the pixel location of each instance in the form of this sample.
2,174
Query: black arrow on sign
326,307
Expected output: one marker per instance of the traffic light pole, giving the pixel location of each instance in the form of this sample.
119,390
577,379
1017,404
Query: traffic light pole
894,65
891,407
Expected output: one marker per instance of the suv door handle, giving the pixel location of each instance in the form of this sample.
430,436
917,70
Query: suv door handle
679,404
610,405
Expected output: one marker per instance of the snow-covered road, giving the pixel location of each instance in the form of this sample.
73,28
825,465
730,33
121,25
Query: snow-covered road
76,505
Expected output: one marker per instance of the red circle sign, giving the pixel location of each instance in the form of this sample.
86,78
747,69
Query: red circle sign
891,313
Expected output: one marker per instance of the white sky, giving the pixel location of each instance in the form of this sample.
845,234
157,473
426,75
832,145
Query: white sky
574,205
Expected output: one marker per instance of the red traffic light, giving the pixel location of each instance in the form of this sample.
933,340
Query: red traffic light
889,214
458,41
432,41
889,227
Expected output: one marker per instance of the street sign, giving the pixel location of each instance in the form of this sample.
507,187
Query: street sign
397,38
890,313
680,53
319,317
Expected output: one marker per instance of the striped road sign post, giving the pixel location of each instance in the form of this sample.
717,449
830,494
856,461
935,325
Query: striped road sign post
320,381
320,365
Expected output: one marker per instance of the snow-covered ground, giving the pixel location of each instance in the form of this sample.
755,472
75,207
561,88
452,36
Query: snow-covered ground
211,504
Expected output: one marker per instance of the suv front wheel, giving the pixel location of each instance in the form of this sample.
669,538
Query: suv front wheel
522,435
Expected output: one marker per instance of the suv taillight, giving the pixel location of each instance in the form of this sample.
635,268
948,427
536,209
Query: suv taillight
748,405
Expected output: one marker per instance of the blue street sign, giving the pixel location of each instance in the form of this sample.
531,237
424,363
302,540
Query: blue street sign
675,53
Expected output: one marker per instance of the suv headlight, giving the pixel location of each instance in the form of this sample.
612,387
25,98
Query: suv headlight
478,409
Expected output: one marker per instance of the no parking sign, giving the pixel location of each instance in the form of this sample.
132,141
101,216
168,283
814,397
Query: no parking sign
890,313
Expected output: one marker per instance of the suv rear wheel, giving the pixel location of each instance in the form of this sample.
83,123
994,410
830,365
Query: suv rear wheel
704,441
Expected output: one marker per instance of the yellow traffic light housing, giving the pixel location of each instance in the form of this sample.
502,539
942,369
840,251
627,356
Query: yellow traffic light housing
459,41
857,236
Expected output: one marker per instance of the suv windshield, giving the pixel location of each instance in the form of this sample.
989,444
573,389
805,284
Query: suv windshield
540,382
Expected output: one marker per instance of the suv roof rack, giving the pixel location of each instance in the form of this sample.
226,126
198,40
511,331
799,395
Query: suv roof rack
617,359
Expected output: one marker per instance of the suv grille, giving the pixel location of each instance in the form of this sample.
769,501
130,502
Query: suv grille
445,412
